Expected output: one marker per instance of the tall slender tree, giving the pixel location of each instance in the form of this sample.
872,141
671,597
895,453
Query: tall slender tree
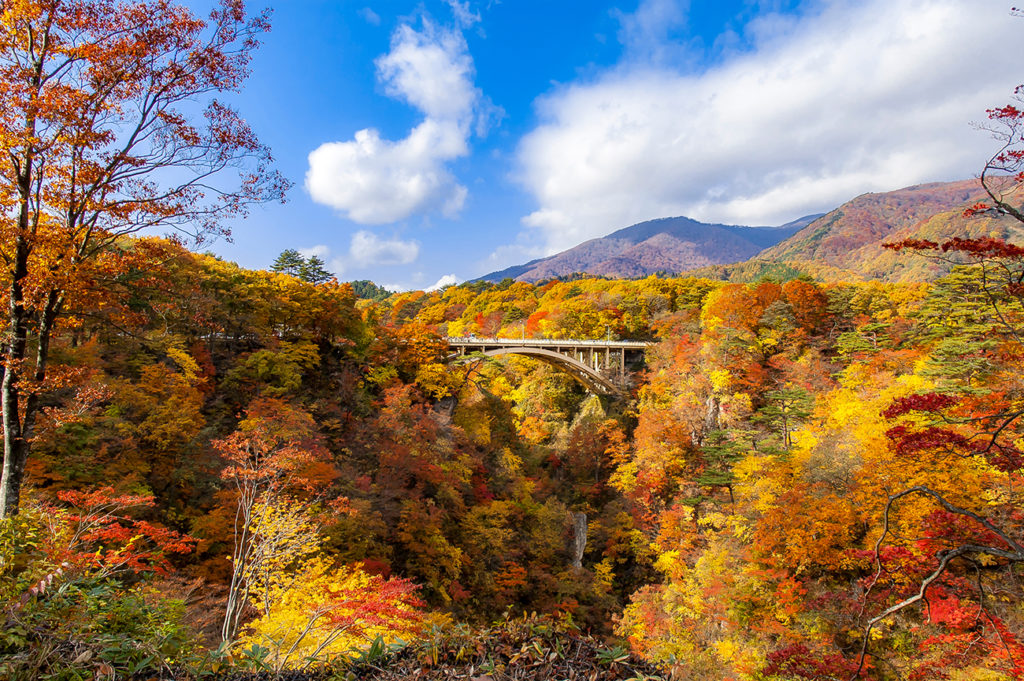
109,126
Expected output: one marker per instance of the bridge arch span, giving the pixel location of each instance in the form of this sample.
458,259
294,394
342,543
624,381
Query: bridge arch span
590,362
591,380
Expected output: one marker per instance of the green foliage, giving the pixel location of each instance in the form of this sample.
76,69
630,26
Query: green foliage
751,271
313,271
367,290
720,453
289,261
533,648
784,410
310,270
84,628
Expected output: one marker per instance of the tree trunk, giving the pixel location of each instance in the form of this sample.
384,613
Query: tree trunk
15,345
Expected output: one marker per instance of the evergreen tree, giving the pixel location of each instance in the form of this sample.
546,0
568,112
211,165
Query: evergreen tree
289,262
313,271
310,270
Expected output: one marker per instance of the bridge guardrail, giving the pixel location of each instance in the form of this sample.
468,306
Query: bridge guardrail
475,340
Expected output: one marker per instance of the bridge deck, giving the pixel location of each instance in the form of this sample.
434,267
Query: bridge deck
473,341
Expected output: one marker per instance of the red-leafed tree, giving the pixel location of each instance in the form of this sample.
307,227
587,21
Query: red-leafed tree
102,536
1003,174
94,534
110,126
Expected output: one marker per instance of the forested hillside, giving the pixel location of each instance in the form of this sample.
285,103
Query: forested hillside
286,461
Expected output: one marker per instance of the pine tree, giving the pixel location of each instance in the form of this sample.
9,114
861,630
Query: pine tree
289,262
313,271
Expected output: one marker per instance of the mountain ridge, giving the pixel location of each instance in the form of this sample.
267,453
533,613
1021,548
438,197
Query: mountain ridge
848,243
671,244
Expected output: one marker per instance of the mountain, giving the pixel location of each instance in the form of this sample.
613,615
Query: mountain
665,245
847,243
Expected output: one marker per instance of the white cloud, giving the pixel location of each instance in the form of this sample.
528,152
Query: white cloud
431,70
395,288
464,16
320,250
370,16
367,249
646,33
372,180
446,280
860,96
376,181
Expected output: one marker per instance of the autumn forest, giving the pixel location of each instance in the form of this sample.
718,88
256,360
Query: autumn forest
218,472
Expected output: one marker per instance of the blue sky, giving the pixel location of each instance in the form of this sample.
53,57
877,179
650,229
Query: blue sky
443,139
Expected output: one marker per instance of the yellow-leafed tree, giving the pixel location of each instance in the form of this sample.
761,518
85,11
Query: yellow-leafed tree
319,612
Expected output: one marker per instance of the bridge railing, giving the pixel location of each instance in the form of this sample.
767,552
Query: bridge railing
476,340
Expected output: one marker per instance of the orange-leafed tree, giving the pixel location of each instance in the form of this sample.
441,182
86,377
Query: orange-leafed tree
109,126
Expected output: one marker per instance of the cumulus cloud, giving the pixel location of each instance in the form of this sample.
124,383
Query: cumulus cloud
320,250
443,282
858,96
367,249
372,180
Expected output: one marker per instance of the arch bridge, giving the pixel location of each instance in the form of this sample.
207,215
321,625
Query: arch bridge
601,366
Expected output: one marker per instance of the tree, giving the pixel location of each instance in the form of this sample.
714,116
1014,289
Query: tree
313,271
102,139
320,611
783,410
365,288
1004,172
290,262
971,547
271,464
310,270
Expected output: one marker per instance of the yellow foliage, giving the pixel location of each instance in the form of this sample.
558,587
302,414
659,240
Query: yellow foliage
720,379
604,577
509,462
311,614
624,477
756,484
435,379
189,367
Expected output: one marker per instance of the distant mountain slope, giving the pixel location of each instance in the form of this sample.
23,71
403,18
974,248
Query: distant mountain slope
664,245
848,243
